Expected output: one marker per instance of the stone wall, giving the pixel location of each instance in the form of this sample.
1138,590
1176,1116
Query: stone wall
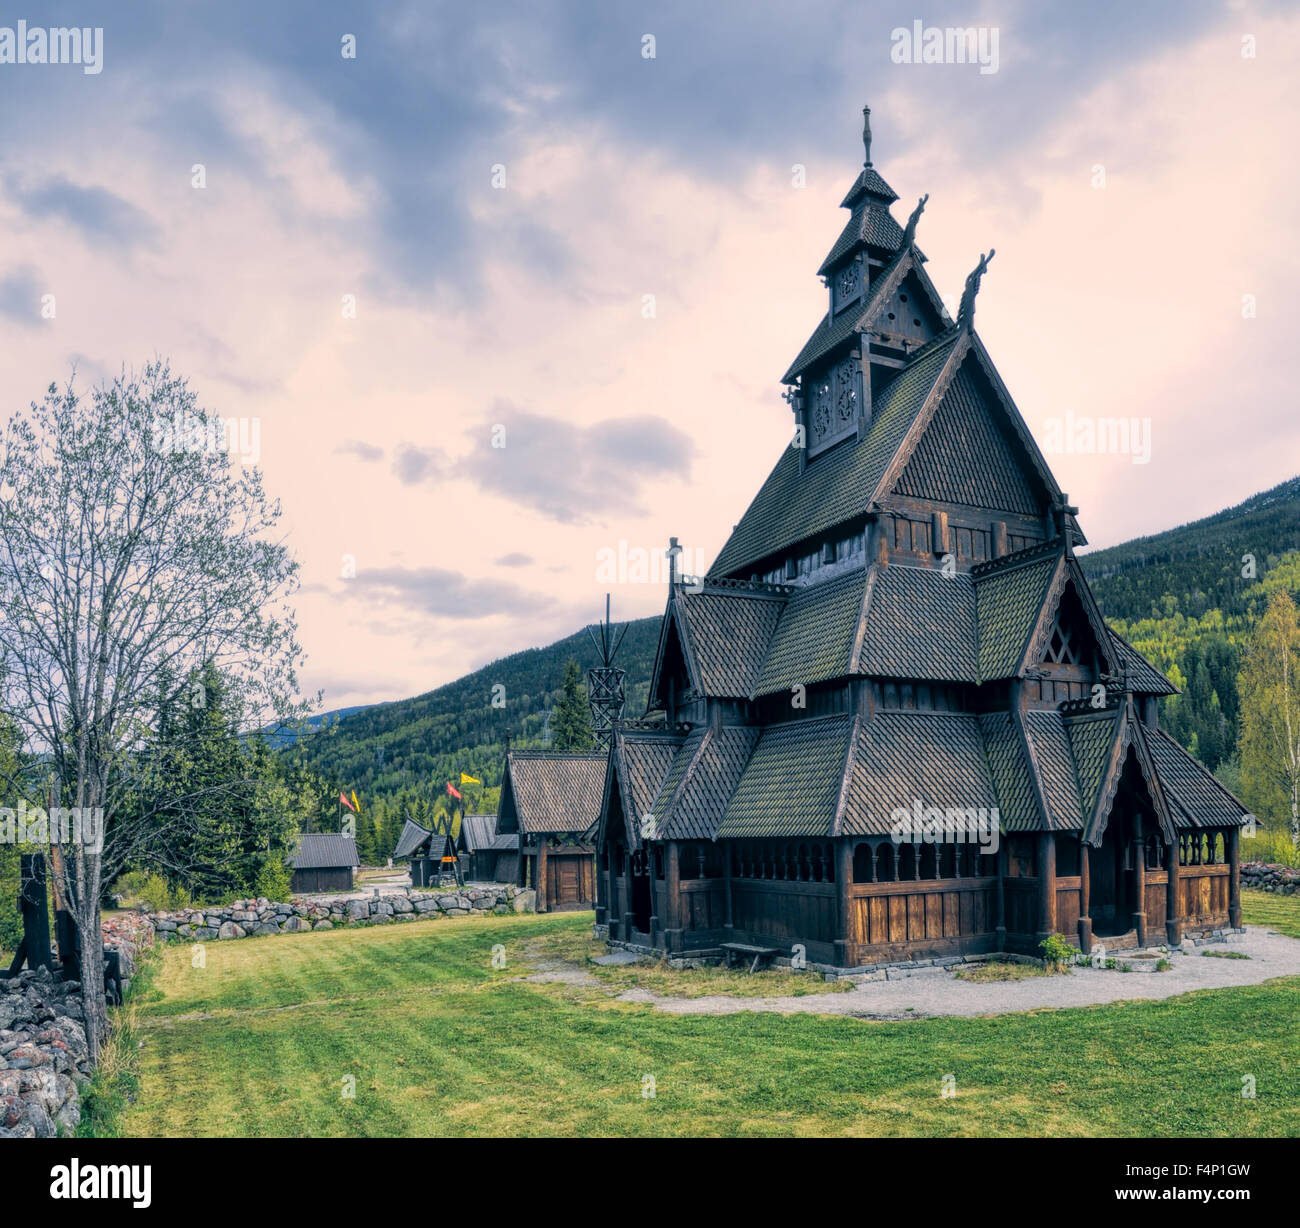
1280,880
44,1057
249,918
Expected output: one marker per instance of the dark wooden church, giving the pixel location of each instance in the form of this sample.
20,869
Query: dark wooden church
895,723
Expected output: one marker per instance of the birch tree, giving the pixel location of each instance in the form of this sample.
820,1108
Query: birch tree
133,550
1270,716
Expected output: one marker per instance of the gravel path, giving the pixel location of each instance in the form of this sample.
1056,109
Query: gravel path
935,991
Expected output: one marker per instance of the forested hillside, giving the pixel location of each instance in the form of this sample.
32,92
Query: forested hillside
409,749
1188,599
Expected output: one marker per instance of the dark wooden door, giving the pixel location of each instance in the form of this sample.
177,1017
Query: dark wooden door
640,893
566,880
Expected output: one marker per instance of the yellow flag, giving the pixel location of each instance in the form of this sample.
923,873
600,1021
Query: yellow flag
466,779
356,805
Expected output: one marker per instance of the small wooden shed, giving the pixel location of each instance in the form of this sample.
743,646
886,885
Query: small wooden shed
550,800
425,849
323,861
492,858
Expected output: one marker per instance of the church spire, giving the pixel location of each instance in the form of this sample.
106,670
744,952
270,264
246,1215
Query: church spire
866,136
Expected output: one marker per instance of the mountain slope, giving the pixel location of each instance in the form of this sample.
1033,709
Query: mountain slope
433,737
1188,599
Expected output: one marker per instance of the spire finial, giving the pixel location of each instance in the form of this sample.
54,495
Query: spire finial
866,134
966,312
909,231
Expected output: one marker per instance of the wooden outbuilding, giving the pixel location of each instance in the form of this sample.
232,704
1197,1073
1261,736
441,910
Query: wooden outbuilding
550,800
323,861
492,858
427,852
894,721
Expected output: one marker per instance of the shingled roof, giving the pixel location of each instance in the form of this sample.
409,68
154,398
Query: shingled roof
906,759
724,631
1194,794
324,851
1008,603
1052,759
870,225
920,624
816,636
791,784
640,761
1143,677
1007,755
836,487
693,799
551,791
415,838
479,831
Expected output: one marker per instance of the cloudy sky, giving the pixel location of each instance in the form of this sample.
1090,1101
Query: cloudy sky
393,264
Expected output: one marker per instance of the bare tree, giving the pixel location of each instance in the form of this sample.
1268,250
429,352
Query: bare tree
133,550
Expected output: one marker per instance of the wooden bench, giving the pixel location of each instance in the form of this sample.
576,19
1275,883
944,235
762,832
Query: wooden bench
761,955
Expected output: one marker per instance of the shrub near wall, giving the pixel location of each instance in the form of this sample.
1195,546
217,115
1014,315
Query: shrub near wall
248,918
1280,880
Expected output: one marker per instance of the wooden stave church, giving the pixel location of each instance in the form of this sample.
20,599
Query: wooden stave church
741,818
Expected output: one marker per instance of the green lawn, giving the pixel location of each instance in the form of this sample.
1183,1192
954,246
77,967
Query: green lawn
261,1041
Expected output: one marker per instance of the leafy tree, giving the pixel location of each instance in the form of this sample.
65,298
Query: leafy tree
1270,717
571,718
132,553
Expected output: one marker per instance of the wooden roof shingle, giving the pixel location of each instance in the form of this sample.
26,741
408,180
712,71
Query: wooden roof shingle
479,831
715,762
1193,792
551,792
1009,770
728,631
1143,677
324,851
1054,760
920,624
836,487
906,758
816,636
791,784
871,224
1009,601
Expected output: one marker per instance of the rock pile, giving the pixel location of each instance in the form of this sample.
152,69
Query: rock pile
247,918
1260,876
44,1057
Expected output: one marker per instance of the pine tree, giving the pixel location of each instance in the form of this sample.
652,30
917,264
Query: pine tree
571,719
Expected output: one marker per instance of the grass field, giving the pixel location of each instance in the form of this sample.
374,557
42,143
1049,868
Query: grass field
263,1039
